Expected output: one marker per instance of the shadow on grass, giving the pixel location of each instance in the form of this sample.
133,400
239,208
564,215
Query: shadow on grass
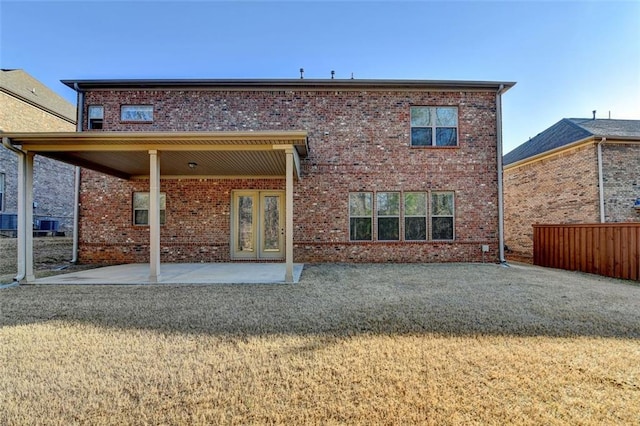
343,300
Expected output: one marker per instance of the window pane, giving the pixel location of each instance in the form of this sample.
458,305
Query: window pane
141,217
415,228
442,228
388,228
446,117
245,223
136,113
420,117
360,229
141,200
163,201
96,112
442,203
421,136
446,136
415,204
360,204
163,217
388,203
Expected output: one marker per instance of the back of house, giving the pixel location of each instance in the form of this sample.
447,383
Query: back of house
334,170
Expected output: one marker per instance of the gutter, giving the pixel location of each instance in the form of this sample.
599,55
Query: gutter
601,180
22,244
76,195
499,93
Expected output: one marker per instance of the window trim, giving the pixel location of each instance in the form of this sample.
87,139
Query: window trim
163,217
434,126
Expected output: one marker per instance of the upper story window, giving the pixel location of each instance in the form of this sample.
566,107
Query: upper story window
96,117
434,126
141,113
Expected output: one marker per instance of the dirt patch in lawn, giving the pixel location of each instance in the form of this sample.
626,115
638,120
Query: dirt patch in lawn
49,254
355,344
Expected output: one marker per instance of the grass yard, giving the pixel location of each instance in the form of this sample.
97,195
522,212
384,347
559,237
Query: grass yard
350,344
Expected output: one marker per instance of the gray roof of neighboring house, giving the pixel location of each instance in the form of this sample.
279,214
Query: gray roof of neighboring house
23,86
569,130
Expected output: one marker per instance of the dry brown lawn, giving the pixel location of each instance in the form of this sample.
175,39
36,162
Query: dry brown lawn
349,344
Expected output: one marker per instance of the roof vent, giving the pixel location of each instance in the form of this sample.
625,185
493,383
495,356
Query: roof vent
594,114
301,73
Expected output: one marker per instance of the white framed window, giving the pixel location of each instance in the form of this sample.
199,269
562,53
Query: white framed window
360,216
402,216
415,216
141,113
434,126
442,215
2,191
96,117
388,216
141,208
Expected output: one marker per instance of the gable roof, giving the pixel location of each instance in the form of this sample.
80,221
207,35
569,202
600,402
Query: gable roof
570,130
23,86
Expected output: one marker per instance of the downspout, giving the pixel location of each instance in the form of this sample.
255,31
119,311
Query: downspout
601,180
76,195
22,255
503,261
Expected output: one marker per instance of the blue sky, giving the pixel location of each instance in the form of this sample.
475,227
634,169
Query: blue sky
568,58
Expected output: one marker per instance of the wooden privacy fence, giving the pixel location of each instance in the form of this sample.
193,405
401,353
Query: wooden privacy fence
610,249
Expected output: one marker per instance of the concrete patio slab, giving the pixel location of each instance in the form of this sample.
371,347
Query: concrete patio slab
180,273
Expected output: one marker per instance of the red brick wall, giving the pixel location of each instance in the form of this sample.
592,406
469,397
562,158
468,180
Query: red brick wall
359,141
558,189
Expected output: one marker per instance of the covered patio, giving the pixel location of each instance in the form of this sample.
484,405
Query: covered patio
155,155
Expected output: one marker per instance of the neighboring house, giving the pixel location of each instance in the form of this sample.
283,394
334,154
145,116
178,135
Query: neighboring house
26,105
579,170
304,170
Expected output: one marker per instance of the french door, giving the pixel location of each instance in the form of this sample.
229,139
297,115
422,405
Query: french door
257,225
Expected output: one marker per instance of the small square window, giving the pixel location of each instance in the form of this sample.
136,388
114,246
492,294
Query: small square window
96,117
143,113
434,126
141,208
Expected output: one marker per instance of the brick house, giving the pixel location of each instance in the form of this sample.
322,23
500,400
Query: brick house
304,170
26,105
579,170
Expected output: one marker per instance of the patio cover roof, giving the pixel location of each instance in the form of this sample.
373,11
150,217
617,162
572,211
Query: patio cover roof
126,154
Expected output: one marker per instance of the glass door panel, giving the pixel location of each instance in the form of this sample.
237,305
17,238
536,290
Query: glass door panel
257,230
246,233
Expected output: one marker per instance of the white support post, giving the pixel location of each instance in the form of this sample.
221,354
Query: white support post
289,217
154,216
22,215
29,275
